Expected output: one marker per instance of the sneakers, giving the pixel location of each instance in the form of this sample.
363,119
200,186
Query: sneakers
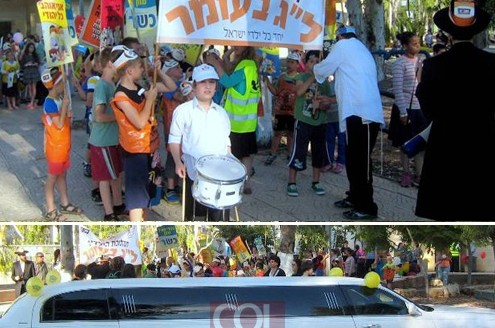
416,181
95,196
87,170
344,203
111,217
337,168
171,197
270,159
318,189
120,210
406,180
292,190
356,215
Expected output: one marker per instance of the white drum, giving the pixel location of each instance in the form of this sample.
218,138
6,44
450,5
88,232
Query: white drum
219,181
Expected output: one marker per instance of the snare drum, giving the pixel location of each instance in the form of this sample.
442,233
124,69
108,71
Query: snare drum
219,181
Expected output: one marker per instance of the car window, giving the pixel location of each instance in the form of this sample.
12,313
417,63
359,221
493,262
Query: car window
201,303
369,301
165,303
79,305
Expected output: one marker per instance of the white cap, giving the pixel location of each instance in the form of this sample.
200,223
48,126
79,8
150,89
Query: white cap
345,30
204,72
166,49
178,54
169,64
294,56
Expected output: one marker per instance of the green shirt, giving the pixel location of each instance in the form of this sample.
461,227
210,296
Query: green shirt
104,134
304,107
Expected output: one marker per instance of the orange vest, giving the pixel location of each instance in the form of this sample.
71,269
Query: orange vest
130,138
57,141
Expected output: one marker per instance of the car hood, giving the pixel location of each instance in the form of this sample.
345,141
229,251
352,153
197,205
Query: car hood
450,316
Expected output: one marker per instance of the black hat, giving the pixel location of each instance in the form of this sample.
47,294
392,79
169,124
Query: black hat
462,19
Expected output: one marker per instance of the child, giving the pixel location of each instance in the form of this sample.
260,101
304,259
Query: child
56,119
138,135
389,270
92,68
283,109
310,126
30,69
104,142
10,74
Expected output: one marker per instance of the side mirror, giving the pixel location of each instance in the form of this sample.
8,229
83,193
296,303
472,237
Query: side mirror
413,310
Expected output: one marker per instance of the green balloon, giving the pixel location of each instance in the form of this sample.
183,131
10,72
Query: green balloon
34,286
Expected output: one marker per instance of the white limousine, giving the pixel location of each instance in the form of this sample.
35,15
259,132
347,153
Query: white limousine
278,302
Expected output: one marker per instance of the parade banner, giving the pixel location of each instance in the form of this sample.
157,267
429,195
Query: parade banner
141,21
71,23
55,32
240,249
111,23
124,244
284,23
258,243
91,30
167,238
270,65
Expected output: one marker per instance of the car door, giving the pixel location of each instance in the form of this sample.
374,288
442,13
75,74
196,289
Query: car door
159,307
381,308
90,308
292,306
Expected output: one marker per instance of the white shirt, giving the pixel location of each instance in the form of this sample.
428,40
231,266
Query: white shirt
201,132
356,83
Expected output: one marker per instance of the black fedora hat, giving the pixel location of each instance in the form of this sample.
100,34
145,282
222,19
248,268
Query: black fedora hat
462,19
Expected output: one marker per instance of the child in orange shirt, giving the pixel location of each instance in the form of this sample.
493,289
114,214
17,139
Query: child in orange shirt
56,119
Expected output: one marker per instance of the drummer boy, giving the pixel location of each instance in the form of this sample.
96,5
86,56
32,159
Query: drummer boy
199,127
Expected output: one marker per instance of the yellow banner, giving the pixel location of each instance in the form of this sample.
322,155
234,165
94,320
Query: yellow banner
53,11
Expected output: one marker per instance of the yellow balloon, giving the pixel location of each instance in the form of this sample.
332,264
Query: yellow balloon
53,277
336,272
34,286
372,280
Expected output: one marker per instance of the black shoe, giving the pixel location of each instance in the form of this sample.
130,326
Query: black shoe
344,203
95,196
120,210
111,217
356,215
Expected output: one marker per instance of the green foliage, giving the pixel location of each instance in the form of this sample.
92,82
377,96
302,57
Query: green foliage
311,238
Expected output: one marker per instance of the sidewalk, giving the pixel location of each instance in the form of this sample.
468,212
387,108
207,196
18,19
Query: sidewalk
23,172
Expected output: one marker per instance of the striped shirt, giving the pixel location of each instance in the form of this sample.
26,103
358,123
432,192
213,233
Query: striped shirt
405,82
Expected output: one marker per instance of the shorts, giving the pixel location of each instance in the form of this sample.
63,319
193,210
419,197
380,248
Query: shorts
283,123
58,168
106,162
243,144
9,92
303,135
136,168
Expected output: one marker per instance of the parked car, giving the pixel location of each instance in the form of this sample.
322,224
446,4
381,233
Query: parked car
291,302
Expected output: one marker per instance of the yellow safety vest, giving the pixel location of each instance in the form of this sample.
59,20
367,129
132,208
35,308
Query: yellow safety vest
242,109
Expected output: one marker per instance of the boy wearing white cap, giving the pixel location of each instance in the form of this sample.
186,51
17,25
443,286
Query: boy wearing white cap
199,127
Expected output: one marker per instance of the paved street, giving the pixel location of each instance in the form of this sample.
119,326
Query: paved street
23,172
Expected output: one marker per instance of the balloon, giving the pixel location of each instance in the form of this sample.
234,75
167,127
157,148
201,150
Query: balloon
372,280
53,277
483,255
34,286
336,272
18,37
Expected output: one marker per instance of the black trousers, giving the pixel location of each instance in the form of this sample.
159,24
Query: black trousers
361,139
197,211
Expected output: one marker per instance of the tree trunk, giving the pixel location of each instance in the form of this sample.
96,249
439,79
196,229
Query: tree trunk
355,14
375,19
67,252
287,243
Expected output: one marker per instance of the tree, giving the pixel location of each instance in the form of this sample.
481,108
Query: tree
67,249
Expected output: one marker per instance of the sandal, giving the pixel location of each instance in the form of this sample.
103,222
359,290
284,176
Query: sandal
55,215
70,209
